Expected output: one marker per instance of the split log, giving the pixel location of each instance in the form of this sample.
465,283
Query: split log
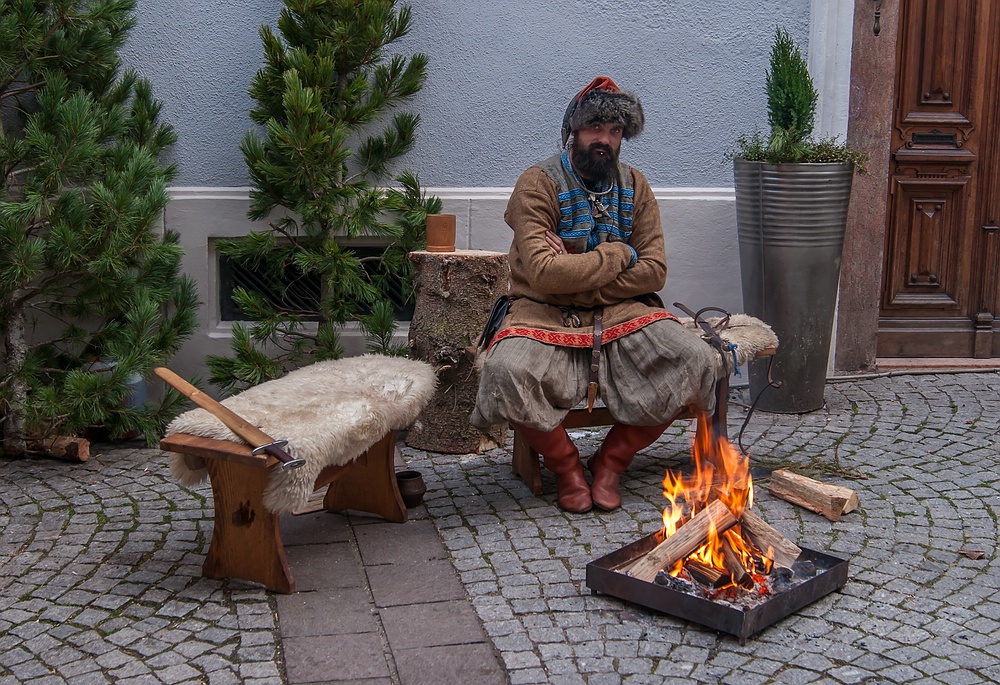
783,551
685,540
825,499
706,575
65,447
734,565
454,294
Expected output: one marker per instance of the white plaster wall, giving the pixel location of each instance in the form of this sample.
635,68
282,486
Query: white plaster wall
500,77
830,36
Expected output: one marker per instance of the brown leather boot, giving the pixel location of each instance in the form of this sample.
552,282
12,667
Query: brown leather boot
561,457
614,456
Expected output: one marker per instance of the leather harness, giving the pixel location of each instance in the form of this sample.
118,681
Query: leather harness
595,359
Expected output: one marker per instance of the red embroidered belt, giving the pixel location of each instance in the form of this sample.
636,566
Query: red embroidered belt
585,340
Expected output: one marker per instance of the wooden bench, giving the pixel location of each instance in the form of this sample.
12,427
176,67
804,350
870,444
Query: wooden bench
342,420
525,461
246,538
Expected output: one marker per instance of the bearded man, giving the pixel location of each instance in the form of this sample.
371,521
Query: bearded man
587,253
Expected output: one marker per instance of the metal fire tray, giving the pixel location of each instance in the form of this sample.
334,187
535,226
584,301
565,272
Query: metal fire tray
831,574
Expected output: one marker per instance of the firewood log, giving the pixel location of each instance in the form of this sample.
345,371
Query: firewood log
706,575
825,499
685,540
65,447
783,550
737,571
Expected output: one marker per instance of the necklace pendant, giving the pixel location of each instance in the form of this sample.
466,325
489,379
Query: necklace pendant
597,208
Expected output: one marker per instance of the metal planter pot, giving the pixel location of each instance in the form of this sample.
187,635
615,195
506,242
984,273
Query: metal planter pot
791,220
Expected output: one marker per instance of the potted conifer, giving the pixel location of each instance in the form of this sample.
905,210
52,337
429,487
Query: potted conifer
792,193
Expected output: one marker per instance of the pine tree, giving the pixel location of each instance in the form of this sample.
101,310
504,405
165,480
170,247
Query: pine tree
90,292
327,82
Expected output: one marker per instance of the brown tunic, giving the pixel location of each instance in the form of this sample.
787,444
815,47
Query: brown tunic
599,278
538,366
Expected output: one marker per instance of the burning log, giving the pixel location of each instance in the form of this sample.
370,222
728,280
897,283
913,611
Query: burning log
687,539
768,540
708,576
825,499
734,565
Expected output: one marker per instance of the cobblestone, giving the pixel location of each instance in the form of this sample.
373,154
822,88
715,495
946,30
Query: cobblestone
90,556
100,563
920,451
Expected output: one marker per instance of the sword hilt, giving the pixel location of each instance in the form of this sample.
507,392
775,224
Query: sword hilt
276,451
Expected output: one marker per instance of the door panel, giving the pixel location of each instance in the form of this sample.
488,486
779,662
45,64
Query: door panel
939,289
928,259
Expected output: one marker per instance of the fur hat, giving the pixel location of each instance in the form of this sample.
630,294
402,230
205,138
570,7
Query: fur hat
600,102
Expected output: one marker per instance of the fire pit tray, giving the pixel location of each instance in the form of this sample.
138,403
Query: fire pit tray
831,574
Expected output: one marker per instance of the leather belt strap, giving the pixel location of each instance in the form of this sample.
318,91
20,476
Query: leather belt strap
595,359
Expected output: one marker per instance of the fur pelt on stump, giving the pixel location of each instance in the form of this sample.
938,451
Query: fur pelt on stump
455,291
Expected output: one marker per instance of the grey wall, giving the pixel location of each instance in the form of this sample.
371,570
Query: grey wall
200,56
501,74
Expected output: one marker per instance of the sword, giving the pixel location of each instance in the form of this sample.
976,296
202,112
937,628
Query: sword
258,439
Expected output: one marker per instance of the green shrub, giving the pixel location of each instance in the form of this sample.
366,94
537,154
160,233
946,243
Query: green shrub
791,113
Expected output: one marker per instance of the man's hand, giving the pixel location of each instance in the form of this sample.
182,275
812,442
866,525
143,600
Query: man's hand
555,243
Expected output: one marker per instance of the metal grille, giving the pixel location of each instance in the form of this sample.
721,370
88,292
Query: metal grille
294,291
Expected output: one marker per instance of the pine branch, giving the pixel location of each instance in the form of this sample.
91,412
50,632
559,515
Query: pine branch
13,93
33,54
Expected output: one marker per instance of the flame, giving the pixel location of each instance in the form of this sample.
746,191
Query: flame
720,472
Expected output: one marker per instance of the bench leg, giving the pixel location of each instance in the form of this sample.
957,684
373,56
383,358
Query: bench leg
369,484
246,540
525,464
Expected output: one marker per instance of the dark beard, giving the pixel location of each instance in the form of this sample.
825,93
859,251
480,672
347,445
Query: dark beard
591,166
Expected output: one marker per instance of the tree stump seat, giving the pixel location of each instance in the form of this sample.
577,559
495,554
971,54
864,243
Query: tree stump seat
340,416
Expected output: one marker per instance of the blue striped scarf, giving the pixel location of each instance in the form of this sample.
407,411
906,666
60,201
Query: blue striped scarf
579,229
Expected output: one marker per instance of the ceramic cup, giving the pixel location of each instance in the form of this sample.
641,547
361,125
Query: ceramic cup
411,487
440,232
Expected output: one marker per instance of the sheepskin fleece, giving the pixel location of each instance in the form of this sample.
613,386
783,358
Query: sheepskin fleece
748,333
330,413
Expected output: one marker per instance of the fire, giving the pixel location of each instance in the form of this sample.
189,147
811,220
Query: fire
720,472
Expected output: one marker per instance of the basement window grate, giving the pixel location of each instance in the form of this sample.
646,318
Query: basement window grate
294,290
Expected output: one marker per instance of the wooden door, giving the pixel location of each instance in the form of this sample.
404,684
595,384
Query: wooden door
940,277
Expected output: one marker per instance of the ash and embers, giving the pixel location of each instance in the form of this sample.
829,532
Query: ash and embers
779,580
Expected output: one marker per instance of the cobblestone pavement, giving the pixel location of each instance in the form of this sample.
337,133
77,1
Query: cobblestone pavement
100,580
100,563
920,451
